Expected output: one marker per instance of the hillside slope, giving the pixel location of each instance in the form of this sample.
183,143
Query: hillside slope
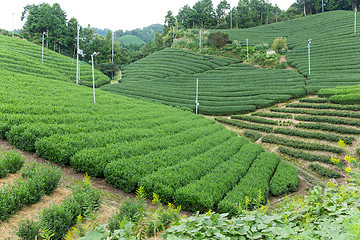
21,56
169,76
130,142
334,61
225,86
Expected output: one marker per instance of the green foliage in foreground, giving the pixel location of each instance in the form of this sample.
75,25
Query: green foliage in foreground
328,214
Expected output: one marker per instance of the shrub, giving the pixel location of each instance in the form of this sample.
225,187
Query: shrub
28,229
252,135
58,218
219,39
12,161
130,210
285,179
279,43
86,196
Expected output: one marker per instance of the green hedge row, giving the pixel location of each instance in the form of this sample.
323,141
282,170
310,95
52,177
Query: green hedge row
205,193
317,112
285,179
316,135
167,180
324,171
327,127
314,100
40,180
126,173
333,120
351,98
272,115
304,155
252,135
240,124
300,144
325,106
253,189
255,119
93,161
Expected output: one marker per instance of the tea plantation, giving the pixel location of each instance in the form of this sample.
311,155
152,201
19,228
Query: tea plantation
225,87
23,57
334,59
130,142
228,87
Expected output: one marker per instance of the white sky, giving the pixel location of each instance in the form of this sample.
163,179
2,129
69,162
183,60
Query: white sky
111,14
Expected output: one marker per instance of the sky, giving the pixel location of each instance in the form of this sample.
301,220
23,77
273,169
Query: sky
110,14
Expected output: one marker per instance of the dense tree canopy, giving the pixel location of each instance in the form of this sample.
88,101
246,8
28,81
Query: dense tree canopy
250,13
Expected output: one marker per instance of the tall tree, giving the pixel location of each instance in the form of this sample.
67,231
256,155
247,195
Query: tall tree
221,11
205,13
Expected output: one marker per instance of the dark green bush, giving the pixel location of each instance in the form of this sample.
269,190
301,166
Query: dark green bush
305,156
219,39
285,179
326,172
12,161
252,135
28,229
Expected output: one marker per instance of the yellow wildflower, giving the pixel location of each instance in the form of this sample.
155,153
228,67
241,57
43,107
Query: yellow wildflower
335,160
348,169
341,143
349,159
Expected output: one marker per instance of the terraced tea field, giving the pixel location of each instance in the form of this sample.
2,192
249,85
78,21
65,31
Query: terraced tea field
225,86
134,143
334,60
307,131
24,57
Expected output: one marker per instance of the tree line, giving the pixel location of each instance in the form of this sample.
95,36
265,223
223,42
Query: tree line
248,13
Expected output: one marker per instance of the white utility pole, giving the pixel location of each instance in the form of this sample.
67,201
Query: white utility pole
355,21
77,56
92,64
309,42
200,39
42,52
230,19
173,32
197,96
322,5
247,49
12,24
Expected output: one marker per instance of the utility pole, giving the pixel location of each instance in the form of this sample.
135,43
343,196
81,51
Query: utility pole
247,49
92,64
322,5
355,21
197,95
200,39
42,52
77,56
309,42
12,24
230,19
